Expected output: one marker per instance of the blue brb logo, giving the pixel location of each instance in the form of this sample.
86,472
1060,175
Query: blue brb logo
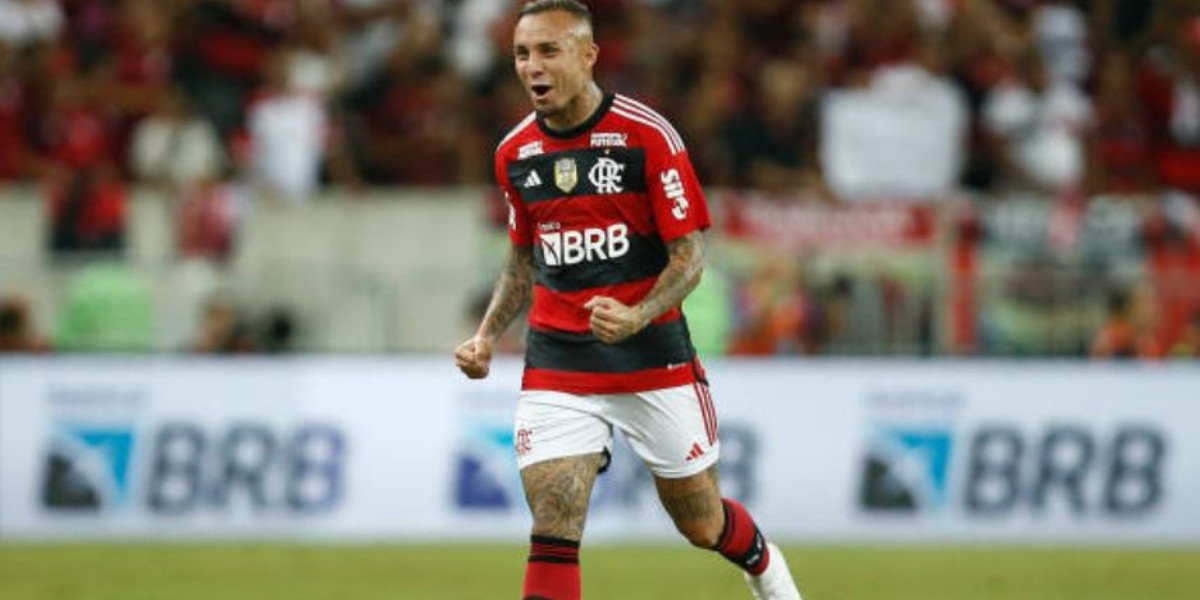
487,475
906,469
87,467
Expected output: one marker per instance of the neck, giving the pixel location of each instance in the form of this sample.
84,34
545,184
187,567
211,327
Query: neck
578,110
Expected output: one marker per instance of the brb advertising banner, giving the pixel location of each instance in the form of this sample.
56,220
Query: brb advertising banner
405,449
961,451
242,448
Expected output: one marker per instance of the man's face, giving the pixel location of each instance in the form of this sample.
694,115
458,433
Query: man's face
553,58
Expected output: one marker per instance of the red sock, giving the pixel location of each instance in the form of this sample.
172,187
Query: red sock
553,569
741,542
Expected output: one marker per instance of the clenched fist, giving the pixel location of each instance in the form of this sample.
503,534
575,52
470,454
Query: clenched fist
474,357
613,321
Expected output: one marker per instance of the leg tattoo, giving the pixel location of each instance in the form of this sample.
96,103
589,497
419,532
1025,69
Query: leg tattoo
558,492
694,503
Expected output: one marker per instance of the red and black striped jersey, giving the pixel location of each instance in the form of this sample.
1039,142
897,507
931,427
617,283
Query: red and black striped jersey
598,204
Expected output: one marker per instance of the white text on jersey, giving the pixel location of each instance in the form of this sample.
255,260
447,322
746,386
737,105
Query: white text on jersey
533,148
673,189
572,247
609,140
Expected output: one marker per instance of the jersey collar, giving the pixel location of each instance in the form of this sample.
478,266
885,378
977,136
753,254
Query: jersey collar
605,104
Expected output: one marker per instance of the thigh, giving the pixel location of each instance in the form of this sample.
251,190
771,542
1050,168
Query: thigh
551,425
673,430
693,500
558,492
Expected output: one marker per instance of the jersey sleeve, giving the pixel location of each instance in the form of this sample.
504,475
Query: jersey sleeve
675,195
518,216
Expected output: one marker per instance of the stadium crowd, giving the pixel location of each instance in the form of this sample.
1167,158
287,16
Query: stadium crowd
416,92
211,100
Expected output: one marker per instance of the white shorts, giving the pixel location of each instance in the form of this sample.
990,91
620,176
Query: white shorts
673,430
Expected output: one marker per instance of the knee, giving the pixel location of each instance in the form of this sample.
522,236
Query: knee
702,533
552,518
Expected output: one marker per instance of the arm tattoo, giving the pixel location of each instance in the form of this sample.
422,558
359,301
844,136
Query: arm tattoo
679,278
512,292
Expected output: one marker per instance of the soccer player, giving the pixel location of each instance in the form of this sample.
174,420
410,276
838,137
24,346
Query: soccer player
606,219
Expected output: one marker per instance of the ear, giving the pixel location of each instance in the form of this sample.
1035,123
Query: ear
590,53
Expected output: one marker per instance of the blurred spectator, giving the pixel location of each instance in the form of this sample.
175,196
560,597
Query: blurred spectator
1060,32
15,114
222,50
372,29
133,70
207,218
773,141
87,213
881,33
470,45
278,331
223,330
287,130
108,309
411,125
85,196
27,22
1128,331
1171,89
1037,126
1188,344
176,148
775,313
17,333
74,134
1121,23
1121,151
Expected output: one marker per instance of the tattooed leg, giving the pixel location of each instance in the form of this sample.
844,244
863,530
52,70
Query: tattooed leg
558,492
694,503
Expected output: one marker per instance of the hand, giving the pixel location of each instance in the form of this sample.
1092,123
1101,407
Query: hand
474,357
612,321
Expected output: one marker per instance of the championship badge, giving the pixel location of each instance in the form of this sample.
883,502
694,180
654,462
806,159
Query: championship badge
565,175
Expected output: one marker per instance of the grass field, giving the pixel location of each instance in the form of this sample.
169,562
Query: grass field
270,572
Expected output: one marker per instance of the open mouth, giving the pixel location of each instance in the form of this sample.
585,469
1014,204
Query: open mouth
540,90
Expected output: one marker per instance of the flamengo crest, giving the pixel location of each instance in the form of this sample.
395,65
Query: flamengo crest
606,176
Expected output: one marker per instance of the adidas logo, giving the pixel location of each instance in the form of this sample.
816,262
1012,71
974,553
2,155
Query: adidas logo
696,452
532,181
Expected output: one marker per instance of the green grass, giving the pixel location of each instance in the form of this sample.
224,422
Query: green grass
270,572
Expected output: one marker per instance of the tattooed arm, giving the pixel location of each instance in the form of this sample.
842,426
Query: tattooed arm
613,321
510,296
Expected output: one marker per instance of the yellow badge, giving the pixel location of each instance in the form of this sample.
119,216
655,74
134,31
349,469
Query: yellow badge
565,175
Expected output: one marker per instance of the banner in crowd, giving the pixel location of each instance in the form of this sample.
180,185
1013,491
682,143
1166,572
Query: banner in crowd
902,135
790,222
406,449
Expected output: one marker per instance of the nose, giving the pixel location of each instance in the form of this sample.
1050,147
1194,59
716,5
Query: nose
533,66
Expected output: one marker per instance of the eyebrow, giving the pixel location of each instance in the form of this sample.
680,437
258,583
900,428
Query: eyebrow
543,45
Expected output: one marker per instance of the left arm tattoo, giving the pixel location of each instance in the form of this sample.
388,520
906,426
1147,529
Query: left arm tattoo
678,279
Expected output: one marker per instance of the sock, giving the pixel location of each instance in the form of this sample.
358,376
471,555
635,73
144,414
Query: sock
741,542
552,572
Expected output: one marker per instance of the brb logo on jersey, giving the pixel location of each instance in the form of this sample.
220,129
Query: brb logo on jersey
563,248
673,189
606,176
